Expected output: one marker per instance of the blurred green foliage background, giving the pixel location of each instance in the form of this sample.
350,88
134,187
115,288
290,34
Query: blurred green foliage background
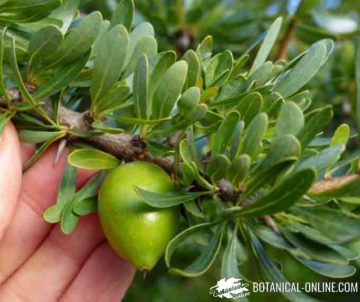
236,25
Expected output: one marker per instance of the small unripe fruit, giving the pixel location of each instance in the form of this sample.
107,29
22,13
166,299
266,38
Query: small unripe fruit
136,231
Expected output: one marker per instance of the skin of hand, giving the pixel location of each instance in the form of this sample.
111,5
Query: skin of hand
37,261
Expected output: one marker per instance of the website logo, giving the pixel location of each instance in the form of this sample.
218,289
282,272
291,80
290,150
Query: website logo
231,288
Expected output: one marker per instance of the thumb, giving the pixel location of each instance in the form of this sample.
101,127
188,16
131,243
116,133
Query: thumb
10,175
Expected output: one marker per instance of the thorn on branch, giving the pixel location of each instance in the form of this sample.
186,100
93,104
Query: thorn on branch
60,150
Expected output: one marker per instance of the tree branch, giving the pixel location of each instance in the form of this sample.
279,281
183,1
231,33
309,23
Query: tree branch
285,41
123,145
120,145
288,36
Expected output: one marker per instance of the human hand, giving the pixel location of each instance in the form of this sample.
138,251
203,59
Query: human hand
37,261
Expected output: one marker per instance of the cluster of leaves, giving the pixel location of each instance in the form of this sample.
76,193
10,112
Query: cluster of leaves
237,24
248,148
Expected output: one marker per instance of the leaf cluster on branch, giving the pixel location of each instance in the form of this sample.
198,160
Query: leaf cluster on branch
238,137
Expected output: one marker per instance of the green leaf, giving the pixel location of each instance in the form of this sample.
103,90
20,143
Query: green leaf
85,206
141,31
188,173
112,100
35,137
65,195
169,90
304,70
266,45
148,46
185,151
209,93
193,74
331,223
274,103
99,125
234,100
65,14
200,179
233,87
165,60
188,102
204,49
264,74
282,147
270,270
315,250
225,133
90,188
193,208
167,200
345,252
42,45
309,232
67,186
18,78
238,169
218,65
80,203
315,123
139,121
274,239
324,159
196,115
230,263
251,143
104,29
23,11
28,107
69,219
141,88
261,178
70,204
124,14
282,196
159,149
250,106
290,119
109,62
78,42
92,159
53,214
208,253
327,269
62,77
341,135
218,167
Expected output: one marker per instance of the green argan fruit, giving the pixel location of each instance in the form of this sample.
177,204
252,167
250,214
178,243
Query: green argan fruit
136,231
